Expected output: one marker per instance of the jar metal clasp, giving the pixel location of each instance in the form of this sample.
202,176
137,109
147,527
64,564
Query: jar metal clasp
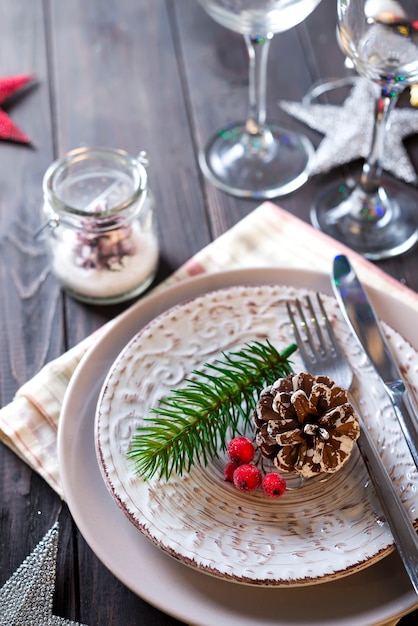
53,222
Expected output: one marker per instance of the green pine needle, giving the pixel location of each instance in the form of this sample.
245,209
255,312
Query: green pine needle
194,421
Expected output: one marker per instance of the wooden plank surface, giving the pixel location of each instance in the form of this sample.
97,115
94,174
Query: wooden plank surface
159,76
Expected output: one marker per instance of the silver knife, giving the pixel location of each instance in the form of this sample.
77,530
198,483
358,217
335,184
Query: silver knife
362,319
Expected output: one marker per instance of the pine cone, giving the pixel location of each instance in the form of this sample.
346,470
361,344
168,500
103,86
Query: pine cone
305,424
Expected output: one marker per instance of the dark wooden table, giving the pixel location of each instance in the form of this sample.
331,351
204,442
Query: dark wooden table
155,75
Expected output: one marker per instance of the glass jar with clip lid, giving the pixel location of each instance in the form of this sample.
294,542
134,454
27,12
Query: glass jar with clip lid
100,224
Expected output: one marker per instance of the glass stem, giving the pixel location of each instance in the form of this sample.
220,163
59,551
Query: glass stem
258,50
372,168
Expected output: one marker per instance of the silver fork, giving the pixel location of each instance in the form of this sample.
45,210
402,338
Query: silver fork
321,354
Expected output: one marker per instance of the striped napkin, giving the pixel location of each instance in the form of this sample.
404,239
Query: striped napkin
268,236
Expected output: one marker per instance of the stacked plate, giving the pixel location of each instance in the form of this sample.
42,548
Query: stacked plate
322,554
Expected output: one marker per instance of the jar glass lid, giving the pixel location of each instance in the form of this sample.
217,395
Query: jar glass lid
92,182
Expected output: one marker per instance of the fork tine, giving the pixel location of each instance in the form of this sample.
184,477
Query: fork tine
305,324
328,326
316,325
305,355
310,328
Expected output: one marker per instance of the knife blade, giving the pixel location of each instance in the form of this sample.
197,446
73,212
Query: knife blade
361,318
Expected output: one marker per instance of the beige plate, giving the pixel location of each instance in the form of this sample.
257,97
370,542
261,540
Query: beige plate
321,531
371,597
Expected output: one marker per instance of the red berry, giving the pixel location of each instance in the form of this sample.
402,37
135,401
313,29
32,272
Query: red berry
247,477
241,450
273,485
229,470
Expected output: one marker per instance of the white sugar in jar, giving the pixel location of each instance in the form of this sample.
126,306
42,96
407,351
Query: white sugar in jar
101,239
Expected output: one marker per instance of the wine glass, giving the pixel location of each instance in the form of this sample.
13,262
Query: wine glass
376,215
251,158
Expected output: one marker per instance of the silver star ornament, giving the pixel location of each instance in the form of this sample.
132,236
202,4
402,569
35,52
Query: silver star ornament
26,598
348,131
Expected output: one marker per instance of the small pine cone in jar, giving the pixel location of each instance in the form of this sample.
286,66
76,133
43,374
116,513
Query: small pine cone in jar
305,424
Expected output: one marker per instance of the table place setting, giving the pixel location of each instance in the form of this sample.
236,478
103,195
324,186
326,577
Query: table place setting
247,254
209,366
249,551
29,425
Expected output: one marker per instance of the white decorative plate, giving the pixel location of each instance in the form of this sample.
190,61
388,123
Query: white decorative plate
317,533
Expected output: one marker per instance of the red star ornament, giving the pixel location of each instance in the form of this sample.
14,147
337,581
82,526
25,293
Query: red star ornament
8,87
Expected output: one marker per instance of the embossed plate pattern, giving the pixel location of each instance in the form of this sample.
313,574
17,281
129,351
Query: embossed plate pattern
320,532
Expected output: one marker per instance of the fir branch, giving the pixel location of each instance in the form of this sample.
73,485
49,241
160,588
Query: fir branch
194,421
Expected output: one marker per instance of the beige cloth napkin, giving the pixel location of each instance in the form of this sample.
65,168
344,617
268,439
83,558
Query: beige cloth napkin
269,236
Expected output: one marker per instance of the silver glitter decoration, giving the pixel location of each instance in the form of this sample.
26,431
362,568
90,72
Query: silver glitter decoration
26,598
348,130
